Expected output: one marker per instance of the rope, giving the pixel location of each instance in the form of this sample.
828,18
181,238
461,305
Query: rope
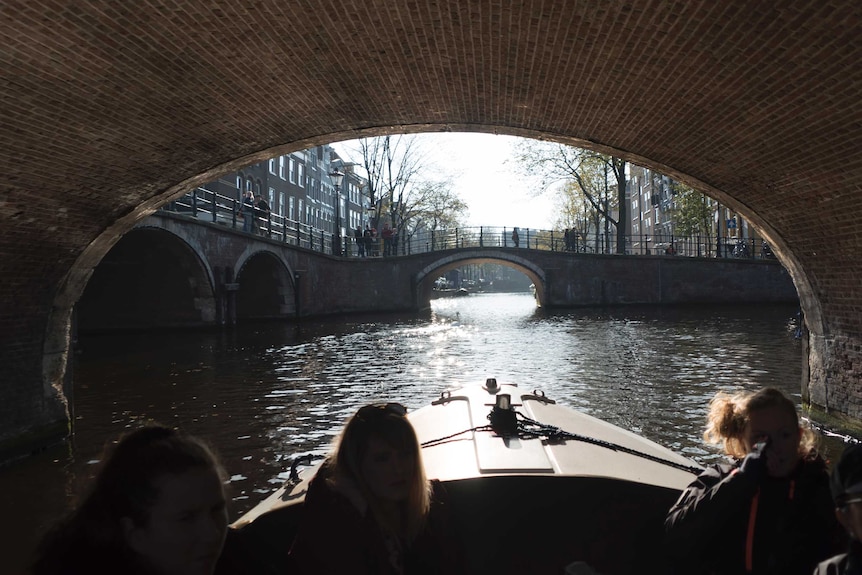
433,442
553,433
530,428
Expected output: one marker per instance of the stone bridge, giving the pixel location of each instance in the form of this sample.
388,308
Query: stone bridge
111,109
173,270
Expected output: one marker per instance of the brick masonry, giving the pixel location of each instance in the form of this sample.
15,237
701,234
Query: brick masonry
110,109
194,258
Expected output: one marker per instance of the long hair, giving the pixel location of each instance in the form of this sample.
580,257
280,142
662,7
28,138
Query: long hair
124,487
388,423
728,417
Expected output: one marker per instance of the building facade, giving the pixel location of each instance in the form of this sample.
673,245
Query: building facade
651,226
298,187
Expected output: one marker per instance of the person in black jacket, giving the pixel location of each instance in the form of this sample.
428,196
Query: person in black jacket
770,512
847,494
370,510
261,212
156,507
247,212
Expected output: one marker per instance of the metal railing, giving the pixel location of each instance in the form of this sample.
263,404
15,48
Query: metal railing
207,205
210,206
554,240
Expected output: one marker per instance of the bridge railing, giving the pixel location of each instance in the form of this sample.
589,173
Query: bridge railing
554,240
208,205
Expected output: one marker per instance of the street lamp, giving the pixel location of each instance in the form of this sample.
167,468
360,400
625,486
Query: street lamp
336,178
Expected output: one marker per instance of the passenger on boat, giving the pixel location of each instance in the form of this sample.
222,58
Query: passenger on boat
156,507
847,494
370,508
771,511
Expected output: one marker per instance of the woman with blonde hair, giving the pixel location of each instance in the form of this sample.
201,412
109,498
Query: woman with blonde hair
768,512
369,507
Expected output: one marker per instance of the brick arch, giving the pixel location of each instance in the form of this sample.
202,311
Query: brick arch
426,276
126,109
266,286
166,275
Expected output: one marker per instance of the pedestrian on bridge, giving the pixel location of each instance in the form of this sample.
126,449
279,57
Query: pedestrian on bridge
247,211
368,238
360,242
388,240
261,211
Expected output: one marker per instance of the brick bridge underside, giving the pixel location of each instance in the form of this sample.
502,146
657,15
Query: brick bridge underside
111,109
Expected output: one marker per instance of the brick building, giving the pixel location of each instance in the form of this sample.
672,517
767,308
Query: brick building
298,187
652,226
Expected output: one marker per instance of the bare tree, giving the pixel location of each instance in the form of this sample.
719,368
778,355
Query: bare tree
600,179
433,206
398,191
574,212
391,163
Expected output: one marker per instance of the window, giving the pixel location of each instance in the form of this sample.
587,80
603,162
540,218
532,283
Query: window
292,212
300,213
292,171
301,182
271,198
272,166
281,173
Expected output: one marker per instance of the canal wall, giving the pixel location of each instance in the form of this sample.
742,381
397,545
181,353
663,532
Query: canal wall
666,280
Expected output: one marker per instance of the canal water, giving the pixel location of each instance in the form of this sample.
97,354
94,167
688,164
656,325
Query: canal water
266,393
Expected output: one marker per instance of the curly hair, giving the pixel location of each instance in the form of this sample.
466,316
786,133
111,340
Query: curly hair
727,420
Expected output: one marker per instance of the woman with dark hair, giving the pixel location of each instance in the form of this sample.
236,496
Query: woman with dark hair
770,512
156,507
370,508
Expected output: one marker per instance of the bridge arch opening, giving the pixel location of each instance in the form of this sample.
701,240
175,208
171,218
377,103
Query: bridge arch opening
149,279
783,251
426,277
760,220
265,288
275,298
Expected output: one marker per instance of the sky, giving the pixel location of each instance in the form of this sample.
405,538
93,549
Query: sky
482,169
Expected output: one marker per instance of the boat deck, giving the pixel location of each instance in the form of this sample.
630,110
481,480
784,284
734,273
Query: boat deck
517,503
